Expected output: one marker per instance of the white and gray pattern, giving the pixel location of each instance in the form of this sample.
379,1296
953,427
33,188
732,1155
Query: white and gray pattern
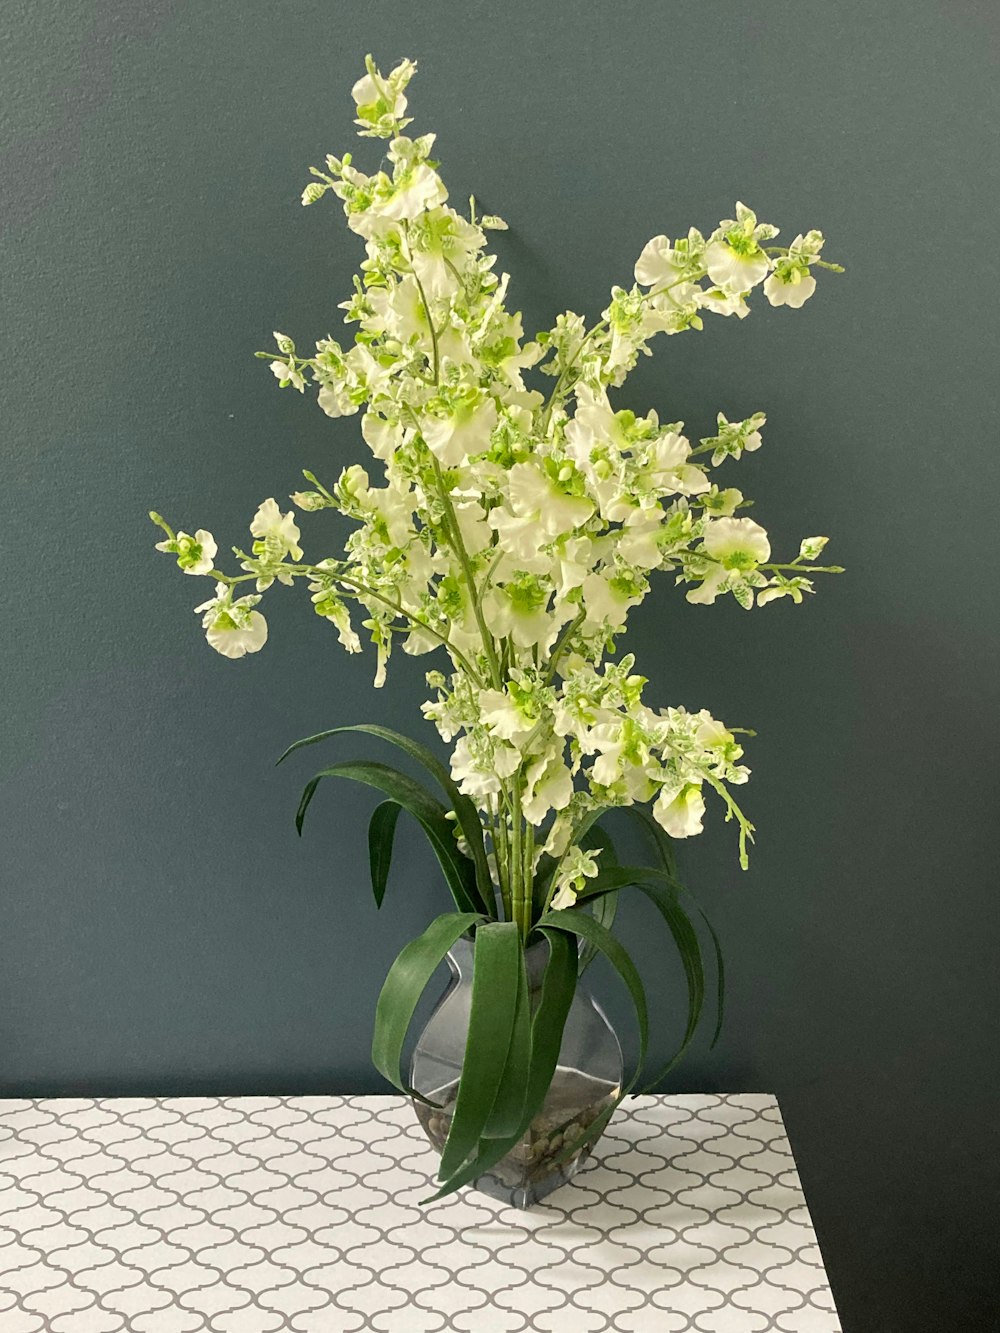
253,1214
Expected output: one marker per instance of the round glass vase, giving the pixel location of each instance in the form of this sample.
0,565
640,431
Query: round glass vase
587,1079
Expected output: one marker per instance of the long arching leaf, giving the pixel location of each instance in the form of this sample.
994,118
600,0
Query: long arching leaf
465,812
508,1105
381,832
547,864
659,836
686,939
613,878
430,813
597,838
578,923
558,989
406,982
720,975
648,879
496,961
665,848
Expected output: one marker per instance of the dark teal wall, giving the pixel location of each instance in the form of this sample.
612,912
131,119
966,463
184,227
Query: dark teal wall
161,927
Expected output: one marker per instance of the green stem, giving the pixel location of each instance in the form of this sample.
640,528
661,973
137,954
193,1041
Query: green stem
564,639
458,546
451,522
313,571
807,569
516,862
528,871
599,328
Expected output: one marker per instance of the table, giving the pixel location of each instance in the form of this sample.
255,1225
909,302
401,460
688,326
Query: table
252,1214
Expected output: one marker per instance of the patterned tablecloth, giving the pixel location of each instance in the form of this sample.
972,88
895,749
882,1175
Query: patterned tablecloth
252,1214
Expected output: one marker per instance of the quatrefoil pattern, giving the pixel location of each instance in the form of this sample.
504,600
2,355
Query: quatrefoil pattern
258,1214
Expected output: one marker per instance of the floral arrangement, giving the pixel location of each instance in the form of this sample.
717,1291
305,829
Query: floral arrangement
511,530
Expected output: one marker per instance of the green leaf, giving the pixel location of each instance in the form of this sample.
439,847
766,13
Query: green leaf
660,837
495,966
665,847
720,974
406,982
547,864
622,877
605,907
428,811
686,939
381,831
508,1105
465,812
558,989
664,891
580,924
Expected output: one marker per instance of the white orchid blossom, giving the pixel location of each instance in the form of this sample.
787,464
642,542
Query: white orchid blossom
514,530
233,628
195,555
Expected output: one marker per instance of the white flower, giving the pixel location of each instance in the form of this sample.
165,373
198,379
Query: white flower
382,437
577,867
500,712
564,899
418,188
520,609
722,302
380,99
732,270
554,511
367,94
709,588
549,785
659,264
233,628
285,373
608,598
195,555
737,543
278,531
791,287
595,440
466,430
399,311
682,814
478,766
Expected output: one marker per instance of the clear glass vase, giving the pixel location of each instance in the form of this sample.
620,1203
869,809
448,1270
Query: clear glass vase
587,1079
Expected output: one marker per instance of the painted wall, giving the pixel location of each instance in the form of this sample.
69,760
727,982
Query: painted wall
162,929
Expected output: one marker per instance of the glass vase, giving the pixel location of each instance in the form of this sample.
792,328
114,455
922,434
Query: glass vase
587,1079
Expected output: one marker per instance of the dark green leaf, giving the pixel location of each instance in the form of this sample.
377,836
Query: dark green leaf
381,831
720,974
558,989
496,961
661,839
508,1105
547,864
406,982
622,877
605,907
686,939
465,812
430,813
664,845
580,924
